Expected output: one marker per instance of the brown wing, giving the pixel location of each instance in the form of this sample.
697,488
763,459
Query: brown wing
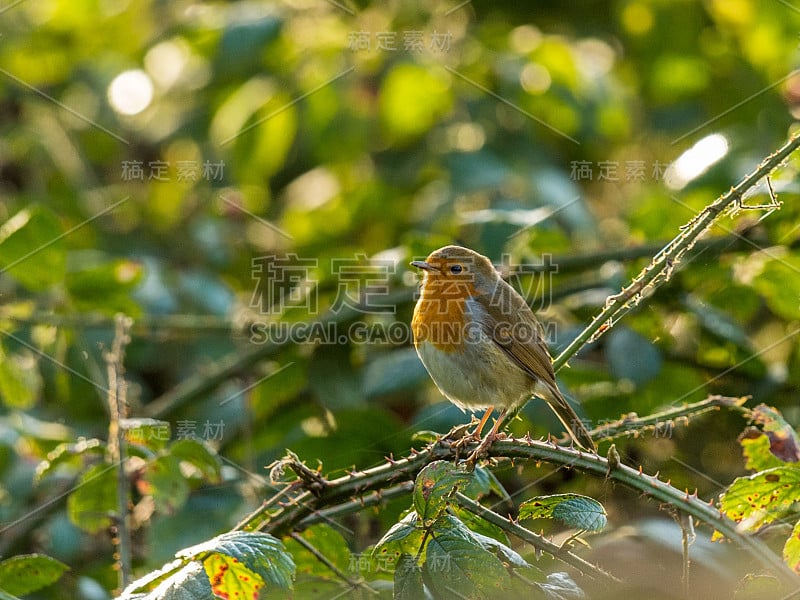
511,324
516,330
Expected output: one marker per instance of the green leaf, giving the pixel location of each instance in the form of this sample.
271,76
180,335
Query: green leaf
26,573
260,552
164,481
330,543
779,284
456,563
199,455
105,287
404,537
31,250
791,550
762,497
408,579
412,99
574,510
68,454
436,481
20,381
756,449
94,500
480,525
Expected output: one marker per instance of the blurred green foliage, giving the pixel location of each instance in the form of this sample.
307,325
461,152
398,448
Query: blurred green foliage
153,154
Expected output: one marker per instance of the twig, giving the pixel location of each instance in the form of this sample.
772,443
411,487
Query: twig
633,424
663,264
118,409
537,541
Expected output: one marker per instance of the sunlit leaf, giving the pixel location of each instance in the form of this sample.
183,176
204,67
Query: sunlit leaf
31,249
260,553
231,579
25,573
404,537
69,454
762,497
436,481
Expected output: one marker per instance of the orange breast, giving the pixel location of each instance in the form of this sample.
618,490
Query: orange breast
440,316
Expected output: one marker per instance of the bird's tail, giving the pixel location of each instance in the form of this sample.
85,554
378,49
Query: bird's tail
568,417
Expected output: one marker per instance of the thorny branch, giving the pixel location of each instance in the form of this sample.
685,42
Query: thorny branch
669,258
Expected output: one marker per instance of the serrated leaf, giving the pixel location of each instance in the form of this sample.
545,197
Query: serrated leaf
436,481
260,552
574,510
68,454
456,563
93,502
791,550
404,537
26,573
784,443
756,449
762,497
408,583
31,248
200,455
231,579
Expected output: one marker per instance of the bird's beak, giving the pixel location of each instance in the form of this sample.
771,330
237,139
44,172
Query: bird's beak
421,264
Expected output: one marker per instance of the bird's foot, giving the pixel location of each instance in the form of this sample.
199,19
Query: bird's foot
460,435
483,448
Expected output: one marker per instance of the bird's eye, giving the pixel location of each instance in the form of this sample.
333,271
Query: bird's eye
456,269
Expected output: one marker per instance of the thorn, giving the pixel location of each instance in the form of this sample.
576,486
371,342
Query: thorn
640,470
390,459
669,481
656,475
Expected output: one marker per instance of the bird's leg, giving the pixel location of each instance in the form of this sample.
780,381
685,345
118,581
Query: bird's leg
475,434
487,442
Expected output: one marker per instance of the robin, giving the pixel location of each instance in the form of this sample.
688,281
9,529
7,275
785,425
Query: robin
482,344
